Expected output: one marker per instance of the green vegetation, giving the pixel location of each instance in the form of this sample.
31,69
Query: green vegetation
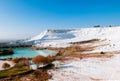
21,70
16,70
96,26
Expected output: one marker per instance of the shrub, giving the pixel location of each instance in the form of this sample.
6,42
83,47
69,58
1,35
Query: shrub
5,65
49,59
38,60
42,60
42,75
81,57
96,26
102,52
110,25
20,64
15,60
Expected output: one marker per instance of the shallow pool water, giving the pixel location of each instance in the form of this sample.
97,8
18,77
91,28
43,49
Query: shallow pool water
28,53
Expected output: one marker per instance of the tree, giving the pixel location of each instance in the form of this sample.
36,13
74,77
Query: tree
42,60
5,65
110,25
38,60
96,26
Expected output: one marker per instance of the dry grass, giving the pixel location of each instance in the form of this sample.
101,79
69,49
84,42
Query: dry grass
86,41
93,55
38,75
93,79
78,51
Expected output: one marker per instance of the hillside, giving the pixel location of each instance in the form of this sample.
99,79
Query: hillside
62,38
93,67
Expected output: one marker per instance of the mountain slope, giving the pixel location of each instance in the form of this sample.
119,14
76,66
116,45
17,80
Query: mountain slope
93,68
62,38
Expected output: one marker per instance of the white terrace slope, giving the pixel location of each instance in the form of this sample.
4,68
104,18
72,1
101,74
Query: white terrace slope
92,69
61,38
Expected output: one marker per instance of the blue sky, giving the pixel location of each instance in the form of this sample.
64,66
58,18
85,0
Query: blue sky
25,18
